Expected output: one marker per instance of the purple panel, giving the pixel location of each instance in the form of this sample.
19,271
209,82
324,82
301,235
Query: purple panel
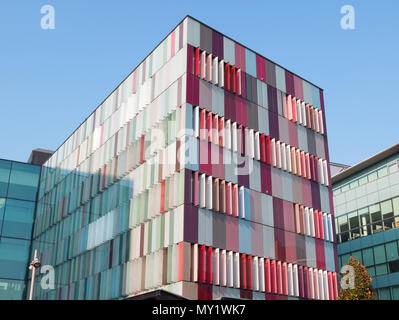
266,179
187,186
315,189
273,125
190,224
298,88
243,84
279,244
272,98
232,233
217,44
205,95
320,254
229,106
288,211
257,238
289,83
293,133
190,53
306,193
290,247
278,214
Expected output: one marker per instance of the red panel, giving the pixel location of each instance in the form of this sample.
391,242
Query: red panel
243,271
201,266
306,282
142,149
197,62
316,223
335,287
279,278
330,286
320,254
209,126
268,153
180,264
268,282
229,198
209,256
312,168
284,278
301,282
202,124
235,200
246,294
273,275
321,222
221,131
262,144
233,79
249,272
294,110
227,76
316,166
204,291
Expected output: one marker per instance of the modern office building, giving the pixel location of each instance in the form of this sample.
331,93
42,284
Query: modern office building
204,173
366,201
18,190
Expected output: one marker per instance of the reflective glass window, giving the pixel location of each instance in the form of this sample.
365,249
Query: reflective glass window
14,255
12,289
368,257
372,176
23,181
381,269
392,251
393,167
5,168
18,219
382,172
379,254
363,180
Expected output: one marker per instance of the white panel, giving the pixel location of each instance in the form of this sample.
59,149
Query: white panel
222,268
255,274
215,71
202,184
227,129
209,192
290,280
221,73
296,282
257,146
283,157
288,156
278,154
215,267
230,269
312,226
273,152
234,135
261,267
236,269
242,202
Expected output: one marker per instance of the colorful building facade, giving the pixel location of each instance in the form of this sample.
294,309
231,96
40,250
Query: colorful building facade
366,200
204,173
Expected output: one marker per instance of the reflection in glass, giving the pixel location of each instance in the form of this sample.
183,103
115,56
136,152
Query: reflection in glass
18,219
382,172
372,176
23,181
5,167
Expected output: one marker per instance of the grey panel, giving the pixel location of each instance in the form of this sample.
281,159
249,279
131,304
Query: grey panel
206,38
271,73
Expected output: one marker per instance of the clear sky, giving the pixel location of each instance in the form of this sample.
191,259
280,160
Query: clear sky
51,80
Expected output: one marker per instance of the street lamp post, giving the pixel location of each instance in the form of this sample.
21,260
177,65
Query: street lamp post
33,266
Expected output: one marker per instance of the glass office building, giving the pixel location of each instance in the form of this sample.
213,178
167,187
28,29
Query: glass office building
18,189
204,173
366,202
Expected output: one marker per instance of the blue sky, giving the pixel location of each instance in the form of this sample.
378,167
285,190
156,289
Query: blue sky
51,80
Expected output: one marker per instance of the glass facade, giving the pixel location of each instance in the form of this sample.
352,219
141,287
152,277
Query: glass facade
367,220
18,190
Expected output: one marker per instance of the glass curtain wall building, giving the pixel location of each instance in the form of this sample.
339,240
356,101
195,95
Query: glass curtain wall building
366,200
18,189
204,173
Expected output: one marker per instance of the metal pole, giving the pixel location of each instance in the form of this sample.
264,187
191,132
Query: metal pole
32,282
